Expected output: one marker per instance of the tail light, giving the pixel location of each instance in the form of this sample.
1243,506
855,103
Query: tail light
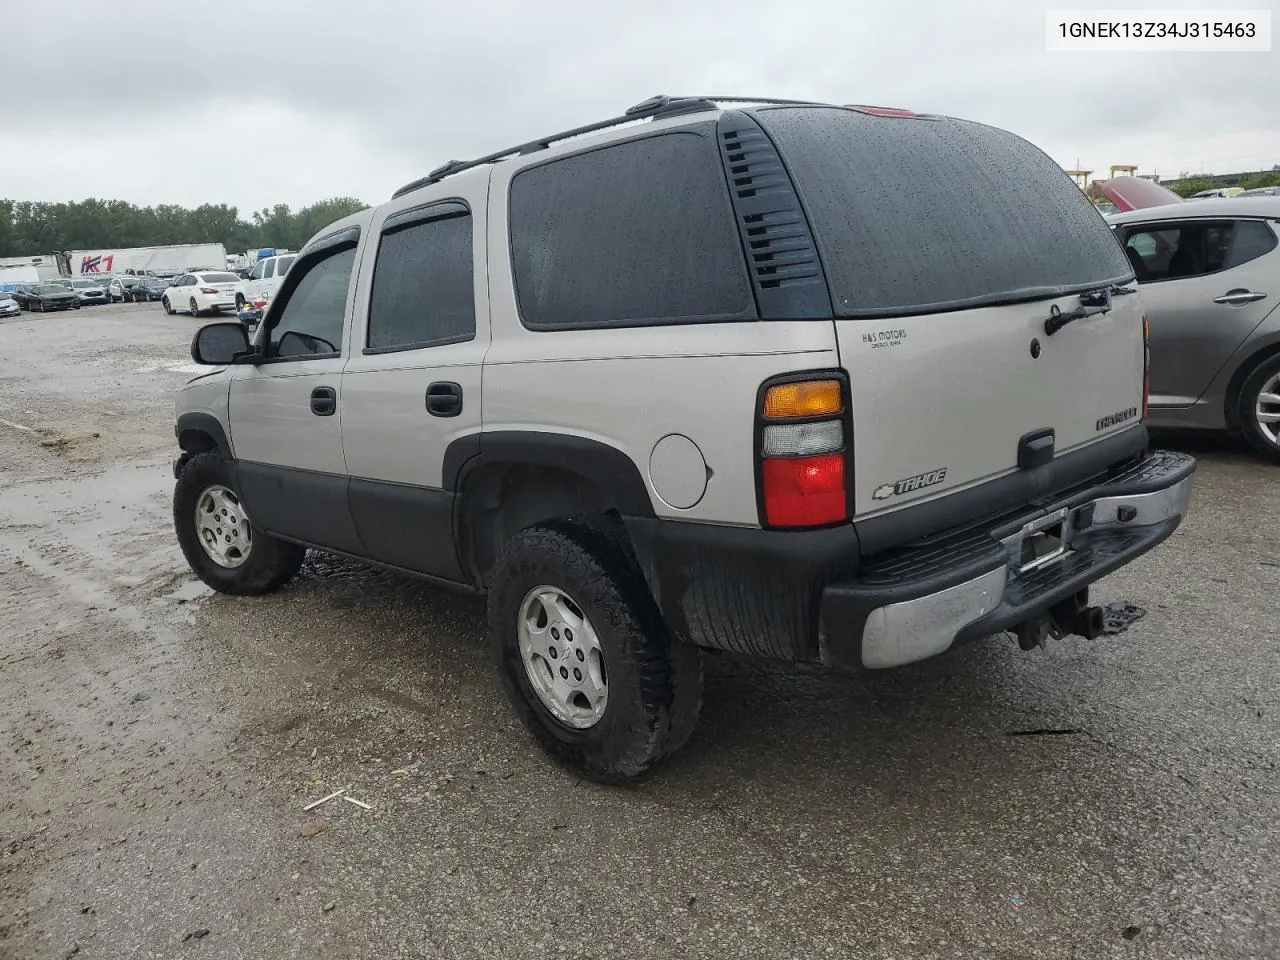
1146,366
208,290
802,453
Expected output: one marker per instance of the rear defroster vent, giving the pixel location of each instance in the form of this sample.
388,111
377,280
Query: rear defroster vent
777,242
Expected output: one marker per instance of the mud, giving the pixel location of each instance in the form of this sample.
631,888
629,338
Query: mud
158,744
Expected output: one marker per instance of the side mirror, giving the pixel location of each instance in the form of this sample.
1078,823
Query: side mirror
220,344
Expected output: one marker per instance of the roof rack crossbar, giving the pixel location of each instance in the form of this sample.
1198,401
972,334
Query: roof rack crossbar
653,108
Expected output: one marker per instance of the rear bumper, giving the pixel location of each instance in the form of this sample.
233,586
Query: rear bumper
924,599
820,596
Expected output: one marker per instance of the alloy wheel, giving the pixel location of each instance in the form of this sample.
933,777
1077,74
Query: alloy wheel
1267,409
223,527
562,657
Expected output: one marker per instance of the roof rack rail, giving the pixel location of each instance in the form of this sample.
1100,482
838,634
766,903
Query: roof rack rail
655,108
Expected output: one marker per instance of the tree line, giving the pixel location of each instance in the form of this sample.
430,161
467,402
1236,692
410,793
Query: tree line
33,228
1186,184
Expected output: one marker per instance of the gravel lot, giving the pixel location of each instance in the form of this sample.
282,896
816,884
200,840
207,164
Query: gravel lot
158,744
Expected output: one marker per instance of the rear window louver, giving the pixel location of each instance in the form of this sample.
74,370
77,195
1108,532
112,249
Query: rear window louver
783,259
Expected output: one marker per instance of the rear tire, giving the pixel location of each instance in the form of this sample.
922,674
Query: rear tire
164,302
239,302
1254,409
652,683
260,567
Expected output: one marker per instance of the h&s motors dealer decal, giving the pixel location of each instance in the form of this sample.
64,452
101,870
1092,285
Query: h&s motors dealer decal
910,484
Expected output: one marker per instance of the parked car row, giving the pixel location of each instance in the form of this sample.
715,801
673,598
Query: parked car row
45,296
1227,193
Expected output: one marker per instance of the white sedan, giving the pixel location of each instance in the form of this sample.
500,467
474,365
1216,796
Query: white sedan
199,292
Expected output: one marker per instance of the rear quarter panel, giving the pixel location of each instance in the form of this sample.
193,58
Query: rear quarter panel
630,387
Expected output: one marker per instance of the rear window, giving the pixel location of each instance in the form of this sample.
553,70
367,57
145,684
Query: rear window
220,278
919,216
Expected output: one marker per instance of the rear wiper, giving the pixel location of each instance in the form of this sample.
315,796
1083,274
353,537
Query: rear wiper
1092,303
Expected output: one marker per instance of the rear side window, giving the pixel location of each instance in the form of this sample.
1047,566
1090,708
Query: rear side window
921,215
637,233
423,291
1253,239
1178,251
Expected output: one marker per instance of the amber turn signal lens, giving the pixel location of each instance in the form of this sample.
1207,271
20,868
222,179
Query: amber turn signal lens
806,398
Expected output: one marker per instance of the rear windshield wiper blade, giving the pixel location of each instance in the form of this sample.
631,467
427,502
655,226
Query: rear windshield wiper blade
1092,303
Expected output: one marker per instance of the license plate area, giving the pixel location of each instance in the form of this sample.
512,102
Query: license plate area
1040,542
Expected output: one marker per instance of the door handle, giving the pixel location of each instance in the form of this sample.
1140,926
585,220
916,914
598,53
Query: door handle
1236,297
444,399
324,401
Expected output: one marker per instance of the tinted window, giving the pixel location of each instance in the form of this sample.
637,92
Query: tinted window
640,232
1253,238
311,320
1176,251
282,265
219,277
422,285
268,270
916,216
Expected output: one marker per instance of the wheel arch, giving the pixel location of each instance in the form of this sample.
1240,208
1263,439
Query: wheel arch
1258,356
201,433
509,480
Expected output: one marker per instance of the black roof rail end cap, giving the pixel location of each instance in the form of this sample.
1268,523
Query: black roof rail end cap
648,106
444,168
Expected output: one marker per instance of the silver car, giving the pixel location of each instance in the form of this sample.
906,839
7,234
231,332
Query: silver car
1209,273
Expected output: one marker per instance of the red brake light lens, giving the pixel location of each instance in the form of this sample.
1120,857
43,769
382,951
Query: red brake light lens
804,491
208,290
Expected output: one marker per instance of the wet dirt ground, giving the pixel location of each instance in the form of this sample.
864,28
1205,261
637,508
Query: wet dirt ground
158,744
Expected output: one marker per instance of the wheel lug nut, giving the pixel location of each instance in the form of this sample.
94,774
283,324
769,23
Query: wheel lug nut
564,673
568,634
581,656
554,653
577,674
555,633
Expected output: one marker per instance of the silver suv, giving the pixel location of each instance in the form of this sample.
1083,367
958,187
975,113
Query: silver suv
845,386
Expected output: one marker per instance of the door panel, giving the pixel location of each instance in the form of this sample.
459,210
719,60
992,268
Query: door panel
272,421
300,504
286,412
421,320
1192,335
389,433
407,526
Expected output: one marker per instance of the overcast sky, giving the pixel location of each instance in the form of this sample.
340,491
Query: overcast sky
292,101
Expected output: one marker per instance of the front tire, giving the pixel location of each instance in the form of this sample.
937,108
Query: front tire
218,539
168,308
195,310
1259,410
583,654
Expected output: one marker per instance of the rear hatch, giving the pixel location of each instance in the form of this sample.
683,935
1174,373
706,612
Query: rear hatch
946,246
